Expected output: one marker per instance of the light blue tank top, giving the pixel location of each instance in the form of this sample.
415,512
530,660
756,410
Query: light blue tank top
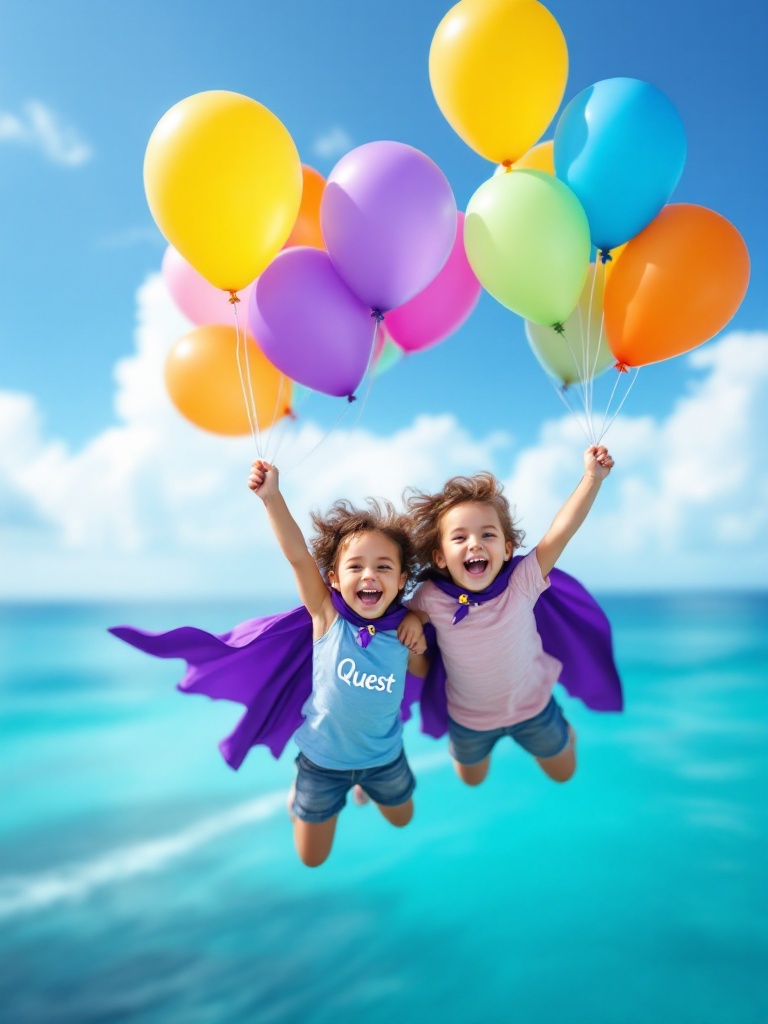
352,717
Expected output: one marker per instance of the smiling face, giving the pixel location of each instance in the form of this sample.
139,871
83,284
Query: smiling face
472,545
368,573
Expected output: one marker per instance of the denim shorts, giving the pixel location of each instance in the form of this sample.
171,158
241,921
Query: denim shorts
544,735
322,792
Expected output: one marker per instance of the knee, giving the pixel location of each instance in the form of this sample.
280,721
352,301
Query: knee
563,774
402,818
312,860
471,780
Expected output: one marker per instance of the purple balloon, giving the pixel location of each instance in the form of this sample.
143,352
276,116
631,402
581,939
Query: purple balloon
309,324
388,218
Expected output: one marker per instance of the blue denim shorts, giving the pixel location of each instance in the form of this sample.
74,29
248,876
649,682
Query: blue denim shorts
322,792
544,735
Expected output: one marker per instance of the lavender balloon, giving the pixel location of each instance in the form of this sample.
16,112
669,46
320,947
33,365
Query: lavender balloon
309,324
388,218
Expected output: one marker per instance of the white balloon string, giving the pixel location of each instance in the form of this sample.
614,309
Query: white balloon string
605,428
561,392
324,438
589,368
580,380
248,399
368,369
280,428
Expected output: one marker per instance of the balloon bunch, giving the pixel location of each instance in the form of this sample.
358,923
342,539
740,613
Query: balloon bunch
666,277
318,264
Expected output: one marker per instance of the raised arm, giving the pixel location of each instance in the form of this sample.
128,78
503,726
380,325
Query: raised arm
264,482
597,465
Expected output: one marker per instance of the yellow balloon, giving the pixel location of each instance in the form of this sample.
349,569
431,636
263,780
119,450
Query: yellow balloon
203,381
223,181
540,158
498,70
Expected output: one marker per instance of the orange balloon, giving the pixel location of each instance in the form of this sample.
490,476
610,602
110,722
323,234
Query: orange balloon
202,378
306,230
676,285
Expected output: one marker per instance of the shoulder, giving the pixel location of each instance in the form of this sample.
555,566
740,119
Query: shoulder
423,596
526,576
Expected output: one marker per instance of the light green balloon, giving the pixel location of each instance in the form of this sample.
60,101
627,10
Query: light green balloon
527,240
581,352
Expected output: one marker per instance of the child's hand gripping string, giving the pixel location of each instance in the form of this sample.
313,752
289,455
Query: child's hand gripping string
264,479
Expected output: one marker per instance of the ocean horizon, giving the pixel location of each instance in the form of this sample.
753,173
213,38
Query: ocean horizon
143,880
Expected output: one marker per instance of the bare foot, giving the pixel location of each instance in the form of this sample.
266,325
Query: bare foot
360,796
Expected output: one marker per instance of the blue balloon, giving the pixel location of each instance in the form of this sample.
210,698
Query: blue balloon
620,146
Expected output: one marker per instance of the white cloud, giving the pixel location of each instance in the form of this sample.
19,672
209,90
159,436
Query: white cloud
41,128
687,504
333,143
152,506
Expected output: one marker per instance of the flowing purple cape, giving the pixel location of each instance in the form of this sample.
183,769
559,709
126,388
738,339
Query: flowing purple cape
266,663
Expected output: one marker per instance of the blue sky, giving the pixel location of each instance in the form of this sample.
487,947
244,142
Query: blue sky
101,487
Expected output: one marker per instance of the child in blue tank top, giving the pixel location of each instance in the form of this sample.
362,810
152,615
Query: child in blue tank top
352,731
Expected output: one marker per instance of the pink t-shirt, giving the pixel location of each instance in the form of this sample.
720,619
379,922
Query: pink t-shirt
497,671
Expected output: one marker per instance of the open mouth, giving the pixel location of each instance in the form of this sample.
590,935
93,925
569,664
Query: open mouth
369,597
476,566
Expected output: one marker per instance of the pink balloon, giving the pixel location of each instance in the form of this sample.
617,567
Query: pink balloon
442,307
199,300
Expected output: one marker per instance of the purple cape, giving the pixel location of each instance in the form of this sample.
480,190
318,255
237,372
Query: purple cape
266,663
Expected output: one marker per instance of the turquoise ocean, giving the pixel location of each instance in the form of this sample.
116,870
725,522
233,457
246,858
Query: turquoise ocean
141,880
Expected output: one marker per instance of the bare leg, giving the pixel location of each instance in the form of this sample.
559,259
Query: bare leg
561,767
399,815
360,796
473,774
313,840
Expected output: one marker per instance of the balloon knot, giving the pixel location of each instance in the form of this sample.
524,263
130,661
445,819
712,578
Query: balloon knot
351,398
291,414
558,329
377,315
507,165
621,367
605,256
233,297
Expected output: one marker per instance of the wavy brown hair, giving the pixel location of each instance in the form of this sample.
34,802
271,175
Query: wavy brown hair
343,521
426,511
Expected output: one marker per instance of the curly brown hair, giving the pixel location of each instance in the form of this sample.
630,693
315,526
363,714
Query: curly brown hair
343,521
426,511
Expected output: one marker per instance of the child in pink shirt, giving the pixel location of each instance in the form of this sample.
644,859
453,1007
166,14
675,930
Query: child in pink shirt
499,678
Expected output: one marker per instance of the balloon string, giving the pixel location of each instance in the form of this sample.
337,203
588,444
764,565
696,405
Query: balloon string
605,428
280,429
580,380
247,389
589,372
561,393
331,429
379,317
